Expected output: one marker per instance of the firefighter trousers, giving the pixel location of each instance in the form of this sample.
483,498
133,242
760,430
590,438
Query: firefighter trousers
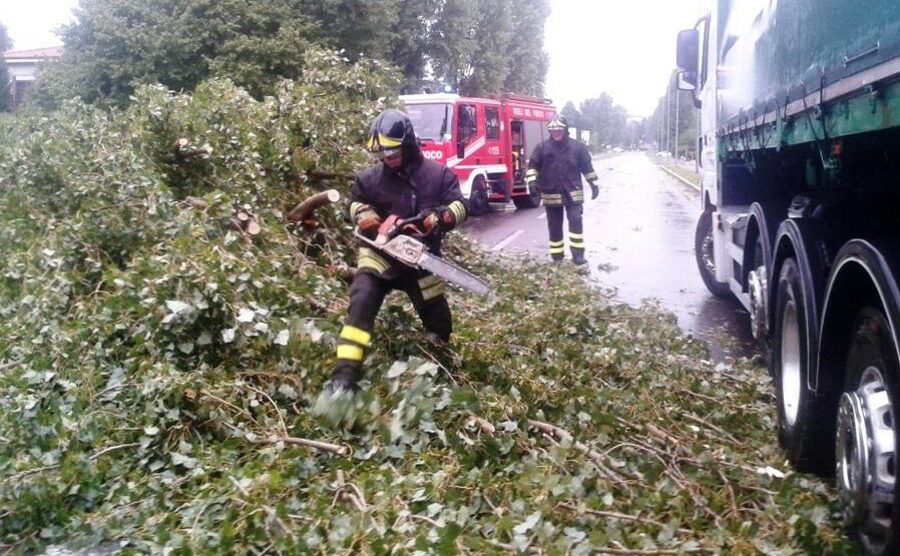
573,213
367,293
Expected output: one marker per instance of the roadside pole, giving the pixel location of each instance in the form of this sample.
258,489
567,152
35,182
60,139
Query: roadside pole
677,96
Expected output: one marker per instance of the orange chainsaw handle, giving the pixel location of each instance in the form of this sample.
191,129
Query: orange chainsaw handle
393,226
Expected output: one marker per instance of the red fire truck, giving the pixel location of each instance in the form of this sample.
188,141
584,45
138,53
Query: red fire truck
486,141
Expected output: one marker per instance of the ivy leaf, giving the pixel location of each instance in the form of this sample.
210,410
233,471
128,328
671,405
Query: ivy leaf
281,339
246,315
312,330
228,335
397,369
182,460
528,524
175,307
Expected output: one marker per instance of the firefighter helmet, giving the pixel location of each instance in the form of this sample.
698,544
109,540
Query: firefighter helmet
391,133
558,122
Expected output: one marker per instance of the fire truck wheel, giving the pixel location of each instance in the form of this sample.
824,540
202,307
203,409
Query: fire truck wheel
530,201
478,198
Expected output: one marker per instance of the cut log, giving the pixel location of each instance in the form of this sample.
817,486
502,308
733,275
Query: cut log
196,202
303,210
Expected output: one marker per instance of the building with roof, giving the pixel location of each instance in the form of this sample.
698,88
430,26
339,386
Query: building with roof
24,66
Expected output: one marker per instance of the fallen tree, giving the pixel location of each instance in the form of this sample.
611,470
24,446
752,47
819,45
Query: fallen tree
158,367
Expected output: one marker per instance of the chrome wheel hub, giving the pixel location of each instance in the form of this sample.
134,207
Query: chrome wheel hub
865,453
791,379
756,284
707,255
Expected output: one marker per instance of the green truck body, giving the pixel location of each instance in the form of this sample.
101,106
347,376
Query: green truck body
799,151
801,70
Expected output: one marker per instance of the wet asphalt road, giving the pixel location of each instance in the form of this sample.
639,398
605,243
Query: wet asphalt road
639,236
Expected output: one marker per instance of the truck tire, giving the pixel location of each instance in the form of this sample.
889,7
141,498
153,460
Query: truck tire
703,251
805,417
530,201
757,288
758,265
478,197
866,440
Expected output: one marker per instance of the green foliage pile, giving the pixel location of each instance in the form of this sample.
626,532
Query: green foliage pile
158,368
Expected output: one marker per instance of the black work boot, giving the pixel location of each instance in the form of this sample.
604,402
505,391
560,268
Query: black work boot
556,259
579,260
344,377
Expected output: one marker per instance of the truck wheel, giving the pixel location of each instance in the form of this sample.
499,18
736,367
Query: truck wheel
532,200
478,197
805,417
866,442
757,288
706,262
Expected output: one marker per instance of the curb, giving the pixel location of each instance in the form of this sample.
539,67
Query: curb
679,178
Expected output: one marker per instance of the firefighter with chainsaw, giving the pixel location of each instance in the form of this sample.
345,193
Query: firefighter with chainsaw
407,185
555,168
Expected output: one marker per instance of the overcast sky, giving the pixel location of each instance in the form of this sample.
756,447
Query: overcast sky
623,47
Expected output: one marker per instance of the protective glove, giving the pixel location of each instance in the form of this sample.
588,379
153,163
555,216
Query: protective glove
594,191
531,178
437,219
368,221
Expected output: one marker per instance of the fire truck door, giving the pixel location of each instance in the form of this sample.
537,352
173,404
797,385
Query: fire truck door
535,132
517,146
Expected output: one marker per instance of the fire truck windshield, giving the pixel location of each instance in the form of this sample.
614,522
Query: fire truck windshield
432,122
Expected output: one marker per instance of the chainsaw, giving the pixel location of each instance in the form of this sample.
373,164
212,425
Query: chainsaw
401,239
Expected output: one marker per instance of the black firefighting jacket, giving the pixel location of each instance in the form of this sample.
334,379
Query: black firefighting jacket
559,166
420,184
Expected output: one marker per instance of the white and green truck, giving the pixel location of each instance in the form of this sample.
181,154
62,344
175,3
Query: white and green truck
799,145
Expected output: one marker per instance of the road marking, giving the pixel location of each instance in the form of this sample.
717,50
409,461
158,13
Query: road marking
542,215
509,239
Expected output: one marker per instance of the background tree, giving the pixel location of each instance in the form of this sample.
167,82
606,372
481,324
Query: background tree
452,40
478,47
392,30
488,63
410,38
117,44
573,116
527,59
482,47
6,99
607,121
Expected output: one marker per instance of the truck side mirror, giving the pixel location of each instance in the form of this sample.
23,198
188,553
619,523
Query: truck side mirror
687,81
688,49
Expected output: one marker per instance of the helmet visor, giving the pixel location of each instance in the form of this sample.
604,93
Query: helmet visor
381,154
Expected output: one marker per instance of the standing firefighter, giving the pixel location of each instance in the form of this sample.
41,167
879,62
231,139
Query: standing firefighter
557,164
405,184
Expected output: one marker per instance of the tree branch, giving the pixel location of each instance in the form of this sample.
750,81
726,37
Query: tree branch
305,208
595,457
